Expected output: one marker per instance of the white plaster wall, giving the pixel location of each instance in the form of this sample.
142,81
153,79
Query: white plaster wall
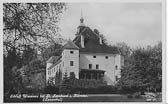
47,66
67,57
104,64
53,70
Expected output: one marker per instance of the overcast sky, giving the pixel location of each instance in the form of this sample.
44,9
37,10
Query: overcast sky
137,24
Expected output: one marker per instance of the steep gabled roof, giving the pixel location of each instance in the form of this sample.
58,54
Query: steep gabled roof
91,43
70,45
94,47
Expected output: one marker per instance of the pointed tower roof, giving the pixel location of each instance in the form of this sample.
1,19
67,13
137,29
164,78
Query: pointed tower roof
82,19
70,45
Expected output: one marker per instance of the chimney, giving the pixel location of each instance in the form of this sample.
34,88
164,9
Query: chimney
82,42
100,40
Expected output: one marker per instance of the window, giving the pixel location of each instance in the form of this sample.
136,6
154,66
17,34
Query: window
116,67
116,77
71,63
106,57
71,52
49,72
94,56
90,66
97,66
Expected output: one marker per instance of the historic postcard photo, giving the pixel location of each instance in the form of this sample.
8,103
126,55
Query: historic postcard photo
83,52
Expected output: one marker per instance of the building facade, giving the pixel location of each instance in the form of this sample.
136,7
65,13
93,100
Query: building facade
88,57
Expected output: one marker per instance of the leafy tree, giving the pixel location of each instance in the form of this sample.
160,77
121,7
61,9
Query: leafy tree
65,87
142,70
125,50
38,81
28,54
11,62
26,23
72,76
104,40
155,67
52,50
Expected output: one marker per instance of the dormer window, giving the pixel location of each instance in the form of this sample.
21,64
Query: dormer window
71,52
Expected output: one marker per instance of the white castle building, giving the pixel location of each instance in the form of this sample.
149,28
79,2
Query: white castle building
88,57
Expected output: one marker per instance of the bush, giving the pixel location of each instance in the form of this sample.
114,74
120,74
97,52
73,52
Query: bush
51,90
130,96
137,95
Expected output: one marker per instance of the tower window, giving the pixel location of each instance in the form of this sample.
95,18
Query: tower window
97,66
106,57
116,67
71,52
71,63
49,73
116,77
94,56
90,66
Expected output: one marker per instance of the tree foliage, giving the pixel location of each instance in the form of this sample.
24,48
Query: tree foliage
11,75
25,23
27,27
143,69
52,50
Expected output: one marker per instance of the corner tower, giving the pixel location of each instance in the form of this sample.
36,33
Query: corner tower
70,59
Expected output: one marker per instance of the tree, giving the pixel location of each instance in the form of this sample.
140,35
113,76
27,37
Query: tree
28,54
12,62
156,67
104,40
26,23
27,26
125,50
52,50
142,70
72,76
65,87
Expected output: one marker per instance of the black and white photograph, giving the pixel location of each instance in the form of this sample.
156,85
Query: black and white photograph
83,52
